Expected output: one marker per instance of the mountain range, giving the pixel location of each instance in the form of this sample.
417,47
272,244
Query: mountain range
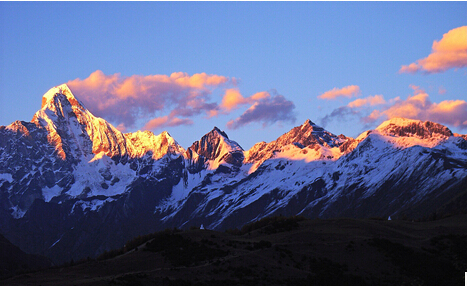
73,186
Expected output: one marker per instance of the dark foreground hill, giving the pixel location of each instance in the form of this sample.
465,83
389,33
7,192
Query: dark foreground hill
281,251
13,260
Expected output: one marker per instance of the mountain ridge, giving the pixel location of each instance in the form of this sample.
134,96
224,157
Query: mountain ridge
85,175
302,136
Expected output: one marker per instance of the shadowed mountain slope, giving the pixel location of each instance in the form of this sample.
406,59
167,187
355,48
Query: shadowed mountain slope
281,251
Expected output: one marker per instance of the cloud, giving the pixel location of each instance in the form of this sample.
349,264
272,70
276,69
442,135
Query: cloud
412,68
340,113
125,100
232,99
449,52
416,106
416,88
353,108
348,91
268,109
158,101
370,100
165,121
419,106
441,90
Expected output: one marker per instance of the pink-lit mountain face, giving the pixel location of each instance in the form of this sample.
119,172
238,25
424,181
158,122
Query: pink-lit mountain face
67,173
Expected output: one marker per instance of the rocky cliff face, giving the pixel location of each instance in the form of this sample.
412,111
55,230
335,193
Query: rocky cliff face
72,185
212,150
306,141
402,127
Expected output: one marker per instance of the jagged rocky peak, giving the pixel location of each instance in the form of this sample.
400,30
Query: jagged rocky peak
306,135
17,126
309,133
144,142
73,130
59,92
403,127
60,104
217,132
308,123
216,146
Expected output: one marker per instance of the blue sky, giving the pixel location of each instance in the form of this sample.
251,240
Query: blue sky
281,56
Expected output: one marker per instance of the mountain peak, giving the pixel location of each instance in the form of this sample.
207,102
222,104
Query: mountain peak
218,131
62,89
216,147
404,127
308,122
59,104
306,134
311,127
143,142
73,129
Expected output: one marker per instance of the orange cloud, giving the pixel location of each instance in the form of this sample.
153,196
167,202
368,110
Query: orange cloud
449,52
419,106
348,91
161,100
412,68
165,121
416,106
197,80
370,100
260,95
374,115
454,111
124,100
232,99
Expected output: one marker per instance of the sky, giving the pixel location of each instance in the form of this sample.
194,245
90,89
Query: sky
253,69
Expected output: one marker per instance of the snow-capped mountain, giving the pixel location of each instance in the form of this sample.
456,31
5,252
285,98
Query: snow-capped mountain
72,185
213,150
307,142
66,152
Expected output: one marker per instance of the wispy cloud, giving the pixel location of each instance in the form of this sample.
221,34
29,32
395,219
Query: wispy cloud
340,113
124,100
166,121
347,91
441,90
267,109
370,100
355,108
449,52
